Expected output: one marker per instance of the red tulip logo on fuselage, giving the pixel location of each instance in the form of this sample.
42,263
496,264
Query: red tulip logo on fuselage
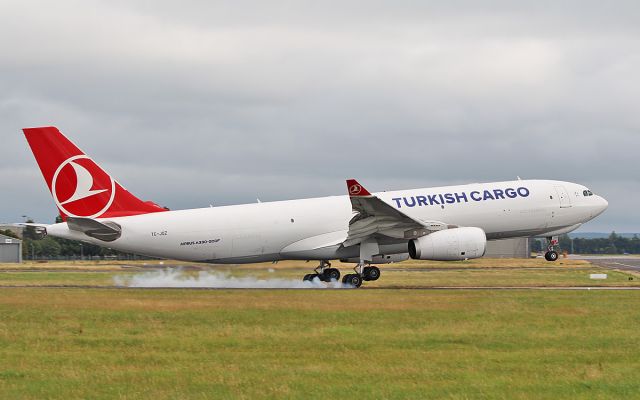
82,189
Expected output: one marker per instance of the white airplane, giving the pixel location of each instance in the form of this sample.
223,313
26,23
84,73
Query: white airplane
440,223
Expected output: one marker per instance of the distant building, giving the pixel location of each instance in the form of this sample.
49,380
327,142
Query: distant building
509,248
10,250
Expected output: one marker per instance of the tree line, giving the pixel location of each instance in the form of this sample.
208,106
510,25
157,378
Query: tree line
614,244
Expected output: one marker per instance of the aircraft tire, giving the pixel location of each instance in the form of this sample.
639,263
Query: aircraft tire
371,273
309,277
551,256
353,280
331,274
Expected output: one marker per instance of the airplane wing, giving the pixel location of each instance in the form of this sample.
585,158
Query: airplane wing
373,216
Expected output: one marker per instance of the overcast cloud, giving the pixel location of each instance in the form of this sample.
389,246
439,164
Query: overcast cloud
202,102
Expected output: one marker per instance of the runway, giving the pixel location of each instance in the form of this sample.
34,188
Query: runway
625,263
169,277
480,288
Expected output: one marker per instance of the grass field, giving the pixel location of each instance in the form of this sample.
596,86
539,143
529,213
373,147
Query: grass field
318,344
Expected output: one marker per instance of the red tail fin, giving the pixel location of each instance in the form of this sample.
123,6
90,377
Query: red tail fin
80,188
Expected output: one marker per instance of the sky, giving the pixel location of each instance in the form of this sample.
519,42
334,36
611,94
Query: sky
198,103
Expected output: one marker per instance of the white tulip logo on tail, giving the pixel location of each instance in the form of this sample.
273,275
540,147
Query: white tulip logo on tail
83,186
81,189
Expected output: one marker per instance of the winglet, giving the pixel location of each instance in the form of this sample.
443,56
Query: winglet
355,189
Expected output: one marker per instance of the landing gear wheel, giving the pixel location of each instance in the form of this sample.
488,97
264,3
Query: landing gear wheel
371,273
310,277
353,280
331,274
551,256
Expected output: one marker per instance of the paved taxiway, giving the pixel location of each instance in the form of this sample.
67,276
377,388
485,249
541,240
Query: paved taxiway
624,263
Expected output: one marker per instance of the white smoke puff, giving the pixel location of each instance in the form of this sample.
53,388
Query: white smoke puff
175,278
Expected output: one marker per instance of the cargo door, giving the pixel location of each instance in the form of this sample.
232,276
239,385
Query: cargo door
563,196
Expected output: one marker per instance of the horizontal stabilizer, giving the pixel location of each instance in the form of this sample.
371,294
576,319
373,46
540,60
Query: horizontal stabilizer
106,231
39,229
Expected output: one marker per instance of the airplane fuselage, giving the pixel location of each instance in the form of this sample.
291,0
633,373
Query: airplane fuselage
314,229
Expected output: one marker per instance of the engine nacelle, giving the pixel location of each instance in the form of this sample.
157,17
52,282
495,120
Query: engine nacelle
449,245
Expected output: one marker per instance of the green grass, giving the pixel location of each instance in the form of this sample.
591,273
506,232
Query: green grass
168,344
57,278
180,344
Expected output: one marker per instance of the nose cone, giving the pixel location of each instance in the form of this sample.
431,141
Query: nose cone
601,205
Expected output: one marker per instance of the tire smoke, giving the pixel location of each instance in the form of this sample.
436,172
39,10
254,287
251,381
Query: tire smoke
176,278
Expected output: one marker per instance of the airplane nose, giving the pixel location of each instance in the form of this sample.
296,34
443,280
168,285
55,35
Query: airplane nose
602,204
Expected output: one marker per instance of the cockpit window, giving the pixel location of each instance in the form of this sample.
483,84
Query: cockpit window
587,193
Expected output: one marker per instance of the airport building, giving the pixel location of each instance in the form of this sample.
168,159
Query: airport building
509,248
10,250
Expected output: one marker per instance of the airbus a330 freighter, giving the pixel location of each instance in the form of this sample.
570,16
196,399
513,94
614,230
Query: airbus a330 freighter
440,223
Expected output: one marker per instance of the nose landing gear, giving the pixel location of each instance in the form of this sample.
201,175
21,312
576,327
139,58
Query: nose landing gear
551,254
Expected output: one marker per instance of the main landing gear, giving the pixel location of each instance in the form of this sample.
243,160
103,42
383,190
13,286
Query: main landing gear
325,273
368,273
551,254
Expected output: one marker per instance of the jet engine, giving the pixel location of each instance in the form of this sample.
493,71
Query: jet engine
449,245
